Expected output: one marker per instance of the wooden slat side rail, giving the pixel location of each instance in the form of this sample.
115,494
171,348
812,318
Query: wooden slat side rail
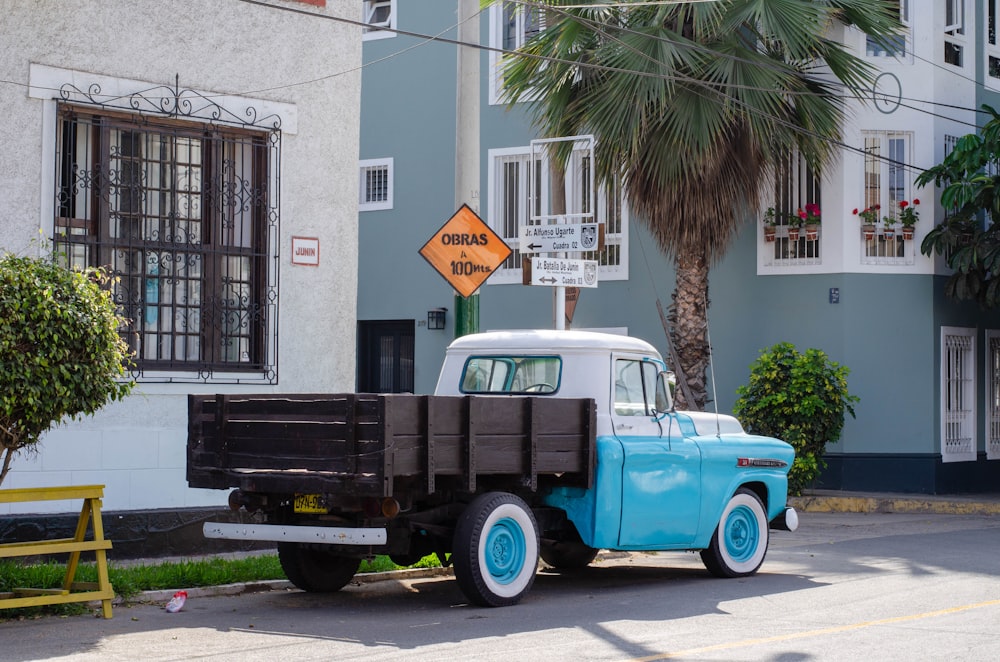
372,444
90,518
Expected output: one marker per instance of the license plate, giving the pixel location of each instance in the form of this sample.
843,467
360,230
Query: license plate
309,503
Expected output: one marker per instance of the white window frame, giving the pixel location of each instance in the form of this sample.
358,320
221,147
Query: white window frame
956,30
888,163
506,221
795,185
993,394
958,394
368,11
497,25
991,43
365,203
906,36
44,79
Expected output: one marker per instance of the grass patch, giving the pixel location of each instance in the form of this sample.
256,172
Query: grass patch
130,580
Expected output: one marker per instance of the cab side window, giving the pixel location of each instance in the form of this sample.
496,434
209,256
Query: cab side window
635,387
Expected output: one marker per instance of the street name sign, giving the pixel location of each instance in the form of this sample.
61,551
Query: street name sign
559,238
567,272
465,251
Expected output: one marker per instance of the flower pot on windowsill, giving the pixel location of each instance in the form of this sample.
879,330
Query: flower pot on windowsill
812,231
793,234
868,231
889,233
908,232
769,233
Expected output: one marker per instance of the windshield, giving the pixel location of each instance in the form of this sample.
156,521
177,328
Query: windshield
512,374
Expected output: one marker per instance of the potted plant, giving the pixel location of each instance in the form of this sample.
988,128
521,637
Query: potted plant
868,216
908,217
810,217
794,226
770,224
888,228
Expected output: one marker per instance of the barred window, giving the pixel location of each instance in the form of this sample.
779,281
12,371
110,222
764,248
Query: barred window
886,184
375,190
993,394
179,213
796,187
511,207
958,394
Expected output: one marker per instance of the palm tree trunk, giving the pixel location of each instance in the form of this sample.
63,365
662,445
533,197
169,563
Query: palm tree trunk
689,322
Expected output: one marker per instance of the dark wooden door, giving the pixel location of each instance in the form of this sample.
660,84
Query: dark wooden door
385,356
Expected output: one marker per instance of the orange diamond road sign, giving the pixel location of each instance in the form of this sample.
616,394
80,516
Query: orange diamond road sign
465,251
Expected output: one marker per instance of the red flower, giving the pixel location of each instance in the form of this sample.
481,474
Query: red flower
903,204
855,211
916,201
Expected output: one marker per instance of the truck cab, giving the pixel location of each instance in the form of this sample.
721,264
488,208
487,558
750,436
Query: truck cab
663,477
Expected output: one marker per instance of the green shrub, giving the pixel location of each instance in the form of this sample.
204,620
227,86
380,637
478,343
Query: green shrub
60,352
801,398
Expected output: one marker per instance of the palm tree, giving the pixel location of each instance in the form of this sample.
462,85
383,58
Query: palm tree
693,105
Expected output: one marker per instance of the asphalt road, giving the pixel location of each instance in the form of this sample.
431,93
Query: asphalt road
844,587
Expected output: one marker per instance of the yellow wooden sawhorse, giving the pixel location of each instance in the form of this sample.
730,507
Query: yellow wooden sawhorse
71,591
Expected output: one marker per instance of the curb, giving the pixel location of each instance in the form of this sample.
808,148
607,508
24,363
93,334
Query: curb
887,503
163,596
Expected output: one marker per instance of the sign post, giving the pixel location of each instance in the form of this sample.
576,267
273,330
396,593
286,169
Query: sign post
560,196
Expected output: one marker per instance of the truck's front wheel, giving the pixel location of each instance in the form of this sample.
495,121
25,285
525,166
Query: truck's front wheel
314,569
740,540
495,550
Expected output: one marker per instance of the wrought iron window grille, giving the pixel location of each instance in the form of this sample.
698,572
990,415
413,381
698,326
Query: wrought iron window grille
179,197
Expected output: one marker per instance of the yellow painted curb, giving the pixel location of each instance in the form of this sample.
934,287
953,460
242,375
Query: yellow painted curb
893,504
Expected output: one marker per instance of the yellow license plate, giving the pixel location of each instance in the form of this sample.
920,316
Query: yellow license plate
309,503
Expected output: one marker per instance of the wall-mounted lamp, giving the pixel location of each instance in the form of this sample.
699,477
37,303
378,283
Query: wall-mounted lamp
435,319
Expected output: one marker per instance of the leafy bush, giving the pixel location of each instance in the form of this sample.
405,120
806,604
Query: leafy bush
60,352
800,398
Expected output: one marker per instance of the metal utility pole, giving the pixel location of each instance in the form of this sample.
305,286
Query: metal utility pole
467,142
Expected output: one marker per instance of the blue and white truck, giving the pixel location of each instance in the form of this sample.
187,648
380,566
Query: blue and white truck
536,444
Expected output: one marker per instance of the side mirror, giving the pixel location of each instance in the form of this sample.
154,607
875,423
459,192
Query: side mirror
666,382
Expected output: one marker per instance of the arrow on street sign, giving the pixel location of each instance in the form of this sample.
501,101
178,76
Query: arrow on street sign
563,271
560,238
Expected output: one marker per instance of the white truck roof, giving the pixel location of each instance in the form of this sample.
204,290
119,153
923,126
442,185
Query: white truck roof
549,339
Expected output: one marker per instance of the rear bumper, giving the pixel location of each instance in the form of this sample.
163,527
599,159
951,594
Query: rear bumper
323,535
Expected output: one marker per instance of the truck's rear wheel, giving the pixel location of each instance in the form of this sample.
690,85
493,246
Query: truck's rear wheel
314,569
740,540
495,550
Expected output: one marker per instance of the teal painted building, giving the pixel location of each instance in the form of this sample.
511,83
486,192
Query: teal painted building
927,370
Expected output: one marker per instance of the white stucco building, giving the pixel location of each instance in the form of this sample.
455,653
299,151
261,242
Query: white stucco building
207,150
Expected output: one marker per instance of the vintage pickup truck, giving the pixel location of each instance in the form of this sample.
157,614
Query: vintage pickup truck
535,443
